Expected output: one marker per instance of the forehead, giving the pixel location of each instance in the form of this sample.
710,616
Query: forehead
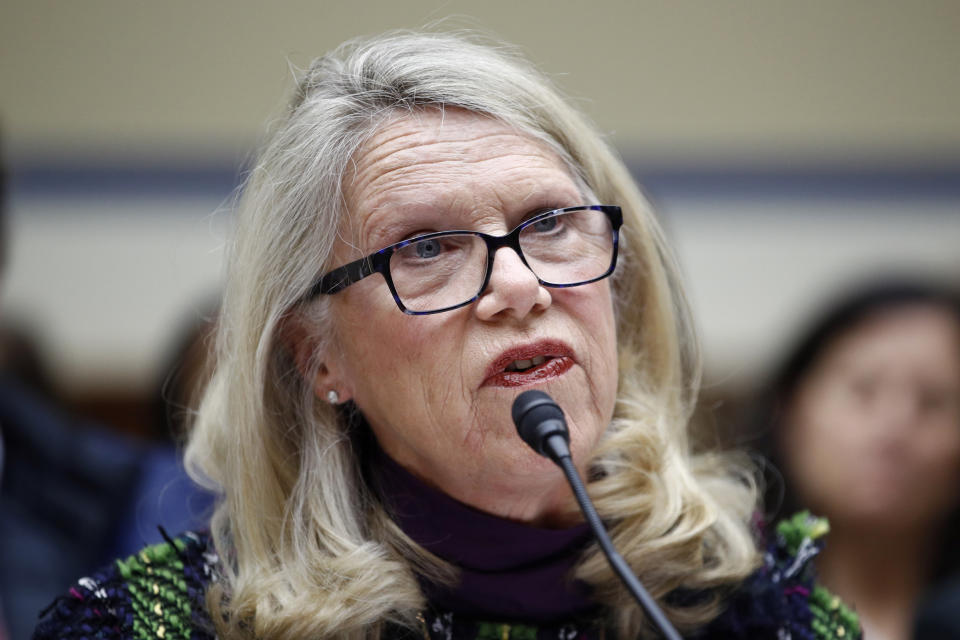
912,337
451,163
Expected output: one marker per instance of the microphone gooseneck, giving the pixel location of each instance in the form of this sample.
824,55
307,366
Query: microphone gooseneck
541,425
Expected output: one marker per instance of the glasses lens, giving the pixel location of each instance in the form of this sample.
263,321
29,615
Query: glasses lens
446,270
439,272
570,247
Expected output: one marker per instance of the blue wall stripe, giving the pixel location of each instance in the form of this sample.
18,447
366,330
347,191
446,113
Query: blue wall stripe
662,183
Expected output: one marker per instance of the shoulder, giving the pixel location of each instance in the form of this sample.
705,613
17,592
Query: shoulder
782,599
156,593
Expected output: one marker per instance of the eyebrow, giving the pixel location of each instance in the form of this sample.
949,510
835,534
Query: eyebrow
379,234
385,237
441,213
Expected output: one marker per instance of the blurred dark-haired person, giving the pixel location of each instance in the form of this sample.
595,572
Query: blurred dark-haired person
73,493
863,421
61,478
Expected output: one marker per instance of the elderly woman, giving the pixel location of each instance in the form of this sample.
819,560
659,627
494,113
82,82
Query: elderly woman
432,230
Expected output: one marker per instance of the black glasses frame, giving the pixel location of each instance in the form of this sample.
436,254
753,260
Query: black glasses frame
379,261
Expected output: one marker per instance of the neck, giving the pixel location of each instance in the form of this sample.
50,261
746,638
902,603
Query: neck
539,497
505,568
881,573
551,506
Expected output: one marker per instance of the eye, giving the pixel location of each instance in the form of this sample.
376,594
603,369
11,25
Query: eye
429,248
937,400
547,224
550,223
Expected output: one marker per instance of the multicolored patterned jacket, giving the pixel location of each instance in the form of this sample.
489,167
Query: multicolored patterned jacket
159,594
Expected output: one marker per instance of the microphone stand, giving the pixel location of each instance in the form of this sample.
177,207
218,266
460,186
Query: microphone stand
619,565
541,425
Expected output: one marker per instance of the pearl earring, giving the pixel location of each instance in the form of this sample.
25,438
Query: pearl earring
333,397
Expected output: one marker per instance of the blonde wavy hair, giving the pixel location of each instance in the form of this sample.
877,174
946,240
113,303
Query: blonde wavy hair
307,548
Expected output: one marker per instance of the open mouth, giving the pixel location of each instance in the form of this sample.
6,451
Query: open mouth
530,364
526,365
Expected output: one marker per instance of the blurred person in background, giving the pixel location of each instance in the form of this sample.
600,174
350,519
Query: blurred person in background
75,493
61,482
863,421
165,495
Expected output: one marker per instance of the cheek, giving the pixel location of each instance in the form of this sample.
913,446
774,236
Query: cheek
393,362
930,467
822,423
367,356
818,434
593,315
939,456
606,337
609,366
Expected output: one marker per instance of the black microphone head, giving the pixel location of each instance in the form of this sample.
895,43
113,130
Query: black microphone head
537,418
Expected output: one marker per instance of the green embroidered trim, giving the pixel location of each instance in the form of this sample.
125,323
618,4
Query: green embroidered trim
158,592
799,527
490,631
831,618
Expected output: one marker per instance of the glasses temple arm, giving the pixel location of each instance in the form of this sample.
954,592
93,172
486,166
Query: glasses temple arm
342,277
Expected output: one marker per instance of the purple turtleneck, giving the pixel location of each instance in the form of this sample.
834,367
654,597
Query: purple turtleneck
508,570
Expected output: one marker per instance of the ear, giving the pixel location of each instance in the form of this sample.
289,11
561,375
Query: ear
315,363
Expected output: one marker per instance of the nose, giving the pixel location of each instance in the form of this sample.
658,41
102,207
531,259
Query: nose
898,410
513,290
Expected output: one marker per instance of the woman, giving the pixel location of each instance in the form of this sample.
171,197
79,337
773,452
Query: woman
864,423
358,420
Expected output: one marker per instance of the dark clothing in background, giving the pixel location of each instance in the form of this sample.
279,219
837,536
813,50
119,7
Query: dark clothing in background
939,614
72,496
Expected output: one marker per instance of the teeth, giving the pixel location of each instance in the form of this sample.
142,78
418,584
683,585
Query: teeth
521,365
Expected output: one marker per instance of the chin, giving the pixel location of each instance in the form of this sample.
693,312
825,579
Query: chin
525,470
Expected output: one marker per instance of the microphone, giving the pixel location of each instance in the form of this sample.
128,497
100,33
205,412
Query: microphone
540,423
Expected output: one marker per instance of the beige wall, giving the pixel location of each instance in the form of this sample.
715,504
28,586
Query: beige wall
107,279
809,79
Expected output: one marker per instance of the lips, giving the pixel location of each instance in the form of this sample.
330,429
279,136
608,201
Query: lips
529,364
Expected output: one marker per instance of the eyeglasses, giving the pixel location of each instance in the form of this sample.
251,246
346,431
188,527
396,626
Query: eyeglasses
447,270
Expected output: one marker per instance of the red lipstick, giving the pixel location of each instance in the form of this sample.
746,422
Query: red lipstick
557,358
